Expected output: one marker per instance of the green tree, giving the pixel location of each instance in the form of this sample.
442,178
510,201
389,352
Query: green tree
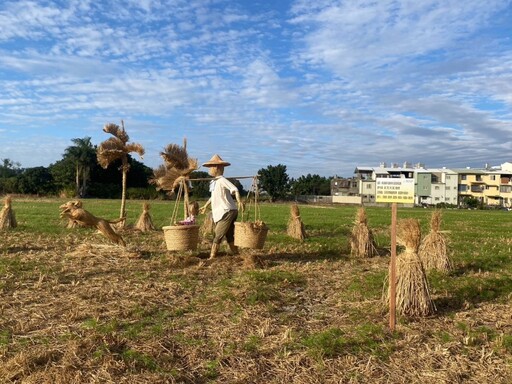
275,181
311,185
8,168
36,181
63,173
200,188
9,172
471,202
239,185
83,156
118,148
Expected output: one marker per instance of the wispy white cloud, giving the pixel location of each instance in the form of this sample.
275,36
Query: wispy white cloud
319,86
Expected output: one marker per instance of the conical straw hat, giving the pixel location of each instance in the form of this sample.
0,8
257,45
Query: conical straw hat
215,161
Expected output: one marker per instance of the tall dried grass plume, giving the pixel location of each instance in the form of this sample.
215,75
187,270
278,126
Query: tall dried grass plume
296,227
7,216
362,240
145,221
412,290
433,250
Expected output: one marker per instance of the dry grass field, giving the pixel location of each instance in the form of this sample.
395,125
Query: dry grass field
76,309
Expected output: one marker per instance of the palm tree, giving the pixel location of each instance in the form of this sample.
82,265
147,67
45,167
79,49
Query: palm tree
82,154
116,148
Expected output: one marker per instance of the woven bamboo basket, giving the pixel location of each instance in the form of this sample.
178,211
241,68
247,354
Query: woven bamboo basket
181,237
250,235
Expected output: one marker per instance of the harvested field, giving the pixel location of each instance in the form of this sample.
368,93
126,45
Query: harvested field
77,309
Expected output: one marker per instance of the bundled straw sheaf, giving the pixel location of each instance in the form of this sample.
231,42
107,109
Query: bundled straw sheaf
178,167
433,250
175,156
208,226
296,228
145,222
116,131
412,290
116,147
165,179
362,241
7,216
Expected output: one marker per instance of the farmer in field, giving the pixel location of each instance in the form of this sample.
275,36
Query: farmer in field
224,208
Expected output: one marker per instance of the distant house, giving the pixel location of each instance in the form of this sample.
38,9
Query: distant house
492,186
345,190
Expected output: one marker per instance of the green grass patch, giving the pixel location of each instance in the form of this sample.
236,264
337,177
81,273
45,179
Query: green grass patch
333,342
267,286
252,343
5,337
139,361
506,343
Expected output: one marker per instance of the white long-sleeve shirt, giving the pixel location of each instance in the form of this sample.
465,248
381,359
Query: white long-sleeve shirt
221,190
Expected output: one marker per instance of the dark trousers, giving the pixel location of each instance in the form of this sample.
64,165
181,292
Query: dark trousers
226,227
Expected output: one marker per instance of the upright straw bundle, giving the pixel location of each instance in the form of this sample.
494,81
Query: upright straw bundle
175,172
412,291
362,242
208,226
295,225
7,216
433,249
145,222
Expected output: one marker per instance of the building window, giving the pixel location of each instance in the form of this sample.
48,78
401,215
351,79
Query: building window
478,178
368,186
437,188
493,177
448,177
506,188
463,177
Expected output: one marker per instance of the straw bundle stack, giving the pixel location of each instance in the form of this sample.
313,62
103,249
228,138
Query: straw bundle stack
433,249
175,171
7,216
412,291
295,225
362,242
145,222
73,211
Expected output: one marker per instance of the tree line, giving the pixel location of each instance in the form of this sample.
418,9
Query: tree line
79,174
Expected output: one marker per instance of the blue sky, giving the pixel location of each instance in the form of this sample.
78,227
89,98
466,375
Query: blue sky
319,86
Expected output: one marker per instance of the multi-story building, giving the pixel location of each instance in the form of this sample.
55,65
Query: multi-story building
436,186
367,176
492,186
505,171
